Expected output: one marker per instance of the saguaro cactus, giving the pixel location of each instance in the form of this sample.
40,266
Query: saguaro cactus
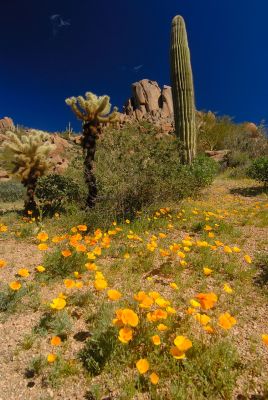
94,112
183,89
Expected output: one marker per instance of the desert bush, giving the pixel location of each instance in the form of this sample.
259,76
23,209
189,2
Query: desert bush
54,191
213,131
259,170
203,170
11,191
136,168
75,173
244,143
218,133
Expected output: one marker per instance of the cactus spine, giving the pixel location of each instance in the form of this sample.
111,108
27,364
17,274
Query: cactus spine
94,111
183,89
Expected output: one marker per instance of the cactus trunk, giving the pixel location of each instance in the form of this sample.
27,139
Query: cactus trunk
30,203
183,90
91,131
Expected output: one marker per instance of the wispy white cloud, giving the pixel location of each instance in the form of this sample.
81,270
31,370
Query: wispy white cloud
138,67
134,69
58,23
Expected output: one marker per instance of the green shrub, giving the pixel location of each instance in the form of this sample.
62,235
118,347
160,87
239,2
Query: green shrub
136,168
59,324
98,351
213,132
11,191
243,142
54,191
203,170
237,159
259,170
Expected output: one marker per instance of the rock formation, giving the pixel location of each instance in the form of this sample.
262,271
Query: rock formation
57,156
150,103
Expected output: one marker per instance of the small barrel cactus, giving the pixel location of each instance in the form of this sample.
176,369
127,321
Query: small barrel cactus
183,89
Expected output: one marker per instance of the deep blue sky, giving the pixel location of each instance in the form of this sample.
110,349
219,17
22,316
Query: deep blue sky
103,41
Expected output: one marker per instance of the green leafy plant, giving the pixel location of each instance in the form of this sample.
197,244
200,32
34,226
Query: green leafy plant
204,170
59,324
11,191
259,170
54,191
98,350
130,179
58,266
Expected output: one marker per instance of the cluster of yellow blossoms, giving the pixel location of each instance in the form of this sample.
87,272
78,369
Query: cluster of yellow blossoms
147,310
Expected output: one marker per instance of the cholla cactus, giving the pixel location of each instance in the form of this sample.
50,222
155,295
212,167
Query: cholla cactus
94,111
92,108
30,160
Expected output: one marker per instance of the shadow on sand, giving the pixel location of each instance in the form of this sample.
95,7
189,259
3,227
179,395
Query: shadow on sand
250,191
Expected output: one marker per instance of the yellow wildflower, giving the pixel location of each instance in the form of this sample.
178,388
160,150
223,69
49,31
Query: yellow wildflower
42,236
51,357
162,327
66,253
156,340
247,258
40,268
114,294
42,246
154,378
15,285
58,303
55,341
125,334
227,288
226,321
23,272
142,365
265,339
207,271
100,284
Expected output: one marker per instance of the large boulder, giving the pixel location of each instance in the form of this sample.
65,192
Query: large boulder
151,103
220,156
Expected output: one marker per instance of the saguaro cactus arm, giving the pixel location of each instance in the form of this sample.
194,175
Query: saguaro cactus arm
183,89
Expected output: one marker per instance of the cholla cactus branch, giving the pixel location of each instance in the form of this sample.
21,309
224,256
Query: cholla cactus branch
92,107
94,111
31,160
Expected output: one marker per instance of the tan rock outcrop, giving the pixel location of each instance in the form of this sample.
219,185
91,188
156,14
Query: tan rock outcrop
151,103
57,156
